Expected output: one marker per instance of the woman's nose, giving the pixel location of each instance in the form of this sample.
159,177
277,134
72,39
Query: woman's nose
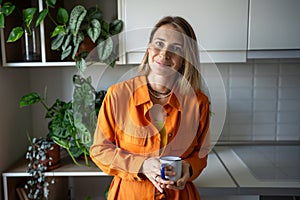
165,53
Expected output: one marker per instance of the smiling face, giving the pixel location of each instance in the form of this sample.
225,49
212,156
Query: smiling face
165,51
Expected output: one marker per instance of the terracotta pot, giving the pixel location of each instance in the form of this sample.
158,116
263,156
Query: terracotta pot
88,45
55,155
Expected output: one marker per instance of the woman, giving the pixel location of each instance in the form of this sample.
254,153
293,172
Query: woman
160,112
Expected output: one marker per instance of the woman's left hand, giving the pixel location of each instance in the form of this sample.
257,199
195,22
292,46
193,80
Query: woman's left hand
180,183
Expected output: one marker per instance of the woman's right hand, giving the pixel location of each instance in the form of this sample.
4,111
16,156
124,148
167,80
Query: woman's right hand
151,169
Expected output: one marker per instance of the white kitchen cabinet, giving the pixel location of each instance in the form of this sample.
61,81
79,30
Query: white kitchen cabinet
220,26
274,25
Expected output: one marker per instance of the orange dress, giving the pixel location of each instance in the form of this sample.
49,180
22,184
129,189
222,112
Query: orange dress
125,137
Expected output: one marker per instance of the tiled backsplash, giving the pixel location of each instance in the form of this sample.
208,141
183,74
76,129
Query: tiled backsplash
263,100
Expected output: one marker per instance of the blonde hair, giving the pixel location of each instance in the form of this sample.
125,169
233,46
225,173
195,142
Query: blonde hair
190,69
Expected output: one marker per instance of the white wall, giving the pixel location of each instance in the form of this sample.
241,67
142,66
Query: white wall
14,122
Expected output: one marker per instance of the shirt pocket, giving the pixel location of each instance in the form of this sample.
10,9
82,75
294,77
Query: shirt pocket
133,139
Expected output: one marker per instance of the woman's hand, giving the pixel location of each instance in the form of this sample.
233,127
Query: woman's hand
151,169
180,183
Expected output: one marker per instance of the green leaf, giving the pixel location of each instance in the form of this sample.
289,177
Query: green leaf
67,42
105,26
66,52
104,48
1,20
115,27
77,39
81,64
41,17
30,99
8,8
28,14
88,198
94,13
94,30
99,99
61,124
83,132
15,34
62,15
76,152
51,3
76,17
61,142
57,30
57,41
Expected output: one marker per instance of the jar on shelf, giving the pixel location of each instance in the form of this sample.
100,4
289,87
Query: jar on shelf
31,45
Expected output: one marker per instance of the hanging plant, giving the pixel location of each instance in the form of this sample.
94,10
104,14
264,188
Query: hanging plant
43,154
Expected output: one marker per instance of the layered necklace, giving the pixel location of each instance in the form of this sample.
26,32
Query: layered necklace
157,94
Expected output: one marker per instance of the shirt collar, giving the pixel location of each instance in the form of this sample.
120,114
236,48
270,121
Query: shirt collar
141,94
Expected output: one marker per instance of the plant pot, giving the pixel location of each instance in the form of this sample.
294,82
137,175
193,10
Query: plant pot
55,155
90,47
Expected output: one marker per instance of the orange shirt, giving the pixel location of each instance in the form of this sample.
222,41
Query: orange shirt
125,137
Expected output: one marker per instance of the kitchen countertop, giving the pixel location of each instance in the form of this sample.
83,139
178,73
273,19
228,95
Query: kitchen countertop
231,170
215,179
263,169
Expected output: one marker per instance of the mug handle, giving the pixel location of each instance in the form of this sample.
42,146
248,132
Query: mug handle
162,171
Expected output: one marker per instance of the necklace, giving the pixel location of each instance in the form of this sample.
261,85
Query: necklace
158,95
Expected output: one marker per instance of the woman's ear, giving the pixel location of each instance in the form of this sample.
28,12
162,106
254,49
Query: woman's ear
148,47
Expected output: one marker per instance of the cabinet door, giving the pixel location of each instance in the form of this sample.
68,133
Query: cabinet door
220,26
274,24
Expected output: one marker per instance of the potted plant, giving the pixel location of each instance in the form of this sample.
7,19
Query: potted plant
85,25
66,128
72,123
43,154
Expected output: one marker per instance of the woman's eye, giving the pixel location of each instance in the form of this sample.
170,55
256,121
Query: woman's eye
177,49
159,44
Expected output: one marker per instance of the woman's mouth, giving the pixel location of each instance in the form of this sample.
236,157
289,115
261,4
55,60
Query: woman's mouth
162,64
